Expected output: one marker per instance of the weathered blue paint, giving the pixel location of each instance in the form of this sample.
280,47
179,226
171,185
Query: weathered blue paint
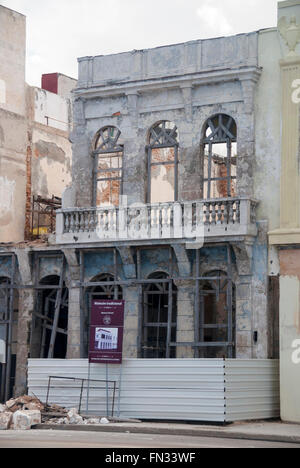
260,262
99,263
49,266
5,267
154,260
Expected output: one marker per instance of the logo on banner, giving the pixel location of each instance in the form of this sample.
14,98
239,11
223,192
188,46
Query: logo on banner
107,320
106,332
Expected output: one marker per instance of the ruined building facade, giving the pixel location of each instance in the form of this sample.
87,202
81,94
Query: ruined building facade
176,186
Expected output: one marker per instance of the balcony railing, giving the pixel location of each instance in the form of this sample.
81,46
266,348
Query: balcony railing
163,221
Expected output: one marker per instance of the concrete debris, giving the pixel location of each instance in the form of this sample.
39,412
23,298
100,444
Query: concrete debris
74,417
24,403
92,421
104,421
5,421
2,409
24,412
24,420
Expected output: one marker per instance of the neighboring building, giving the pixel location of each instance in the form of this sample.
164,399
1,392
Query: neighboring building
185,132
35,152
285,237
35,168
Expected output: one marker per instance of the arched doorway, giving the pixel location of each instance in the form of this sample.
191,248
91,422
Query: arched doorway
102,292
159,321
217,315
8,332
46,304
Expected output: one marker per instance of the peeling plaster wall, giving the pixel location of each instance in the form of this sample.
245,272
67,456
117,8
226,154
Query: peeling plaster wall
51,163
35,153
12,125
51,109
12,57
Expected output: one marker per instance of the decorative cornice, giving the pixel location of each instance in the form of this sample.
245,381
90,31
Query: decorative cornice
195,79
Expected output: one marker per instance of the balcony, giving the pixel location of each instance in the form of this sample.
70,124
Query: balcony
209,220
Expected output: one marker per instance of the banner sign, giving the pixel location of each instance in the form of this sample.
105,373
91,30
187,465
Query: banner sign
106,332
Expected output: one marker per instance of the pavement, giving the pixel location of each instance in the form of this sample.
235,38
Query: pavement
158,444
267,431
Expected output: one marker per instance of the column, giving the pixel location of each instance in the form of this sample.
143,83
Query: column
185,318
25,311
73,350
131,340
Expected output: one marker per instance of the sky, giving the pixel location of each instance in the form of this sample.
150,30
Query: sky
59,31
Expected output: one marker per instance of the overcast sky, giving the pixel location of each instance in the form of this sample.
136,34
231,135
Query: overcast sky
59,31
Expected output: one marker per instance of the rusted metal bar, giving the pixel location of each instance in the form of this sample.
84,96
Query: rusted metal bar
57,309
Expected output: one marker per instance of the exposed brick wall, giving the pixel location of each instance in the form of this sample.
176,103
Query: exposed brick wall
27,231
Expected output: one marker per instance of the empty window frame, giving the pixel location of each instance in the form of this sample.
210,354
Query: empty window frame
163,163
219,157
159,326
108,167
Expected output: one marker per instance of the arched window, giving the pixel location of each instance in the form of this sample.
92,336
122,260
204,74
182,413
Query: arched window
106,291
159,318
108,167
163,163
219,157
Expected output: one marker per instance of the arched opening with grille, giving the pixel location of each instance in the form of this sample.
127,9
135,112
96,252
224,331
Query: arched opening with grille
50,321
8,351
219,157
216,316
159,321
108,167
101,292
163,163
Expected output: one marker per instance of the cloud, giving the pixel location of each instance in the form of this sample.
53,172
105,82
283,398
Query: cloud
215,20
59,31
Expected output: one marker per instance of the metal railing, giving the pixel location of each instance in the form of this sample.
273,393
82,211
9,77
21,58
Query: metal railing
74,379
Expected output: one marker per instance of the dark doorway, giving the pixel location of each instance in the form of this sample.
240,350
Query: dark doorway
159,318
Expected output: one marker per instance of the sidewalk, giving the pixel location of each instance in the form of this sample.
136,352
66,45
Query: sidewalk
262,431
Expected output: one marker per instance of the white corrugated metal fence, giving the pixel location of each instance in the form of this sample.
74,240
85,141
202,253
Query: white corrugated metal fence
213,390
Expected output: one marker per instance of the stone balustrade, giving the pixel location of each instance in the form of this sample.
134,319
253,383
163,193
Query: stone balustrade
158,222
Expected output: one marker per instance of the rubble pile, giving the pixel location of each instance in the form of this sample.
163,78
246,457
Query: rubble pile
21,413
24,412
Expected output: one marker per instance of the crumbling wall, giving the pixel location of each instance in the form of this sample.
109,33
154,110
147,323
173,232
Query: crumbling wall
13,125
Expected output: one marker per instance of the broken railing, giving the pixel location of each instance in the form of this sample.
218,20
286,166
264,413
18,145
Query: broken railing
181,220
84,382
